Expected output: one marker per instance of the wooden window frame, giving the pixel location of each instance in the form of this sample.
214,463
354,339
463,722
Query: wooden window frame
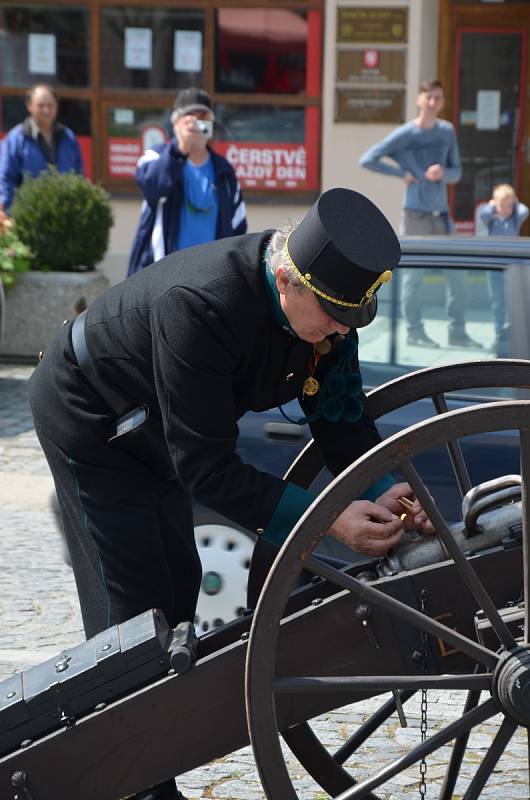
100,99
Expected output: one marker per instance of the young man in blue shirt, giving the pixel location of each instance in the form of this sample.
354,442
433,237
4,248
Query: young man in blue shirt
424,154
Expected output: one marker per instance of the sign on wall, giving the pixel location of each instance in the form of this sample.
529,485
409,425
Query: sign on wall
367,105
374,25
371,64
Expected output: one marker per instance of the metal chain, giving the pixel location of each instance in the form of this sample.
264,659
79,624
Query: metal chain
423,723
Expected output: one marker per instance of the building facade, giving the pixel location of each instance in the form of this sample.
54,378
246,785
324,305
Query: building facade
301,88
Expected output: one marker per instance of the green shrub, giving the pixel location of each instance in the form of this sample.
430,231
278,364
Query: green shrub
64,219
15,257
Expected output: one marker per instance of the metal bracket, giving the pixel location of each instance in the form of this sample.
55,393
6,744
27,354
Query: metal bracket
19,782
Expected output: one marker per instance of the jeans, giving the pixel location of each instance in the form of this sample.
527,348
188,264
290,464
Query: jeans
420,223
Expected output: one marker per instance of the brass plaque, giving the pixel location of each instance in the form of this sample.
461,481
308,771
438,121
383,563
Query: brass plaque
370,105
372,25
371,66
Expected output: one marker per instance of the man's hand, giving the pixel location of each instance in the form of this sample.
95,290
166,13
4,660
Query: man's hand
187,135
368,528
409,178
434,173
415,520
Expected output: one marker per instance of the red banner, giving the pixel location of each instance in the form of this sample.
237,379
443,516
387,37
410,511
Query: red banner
122,155
268,166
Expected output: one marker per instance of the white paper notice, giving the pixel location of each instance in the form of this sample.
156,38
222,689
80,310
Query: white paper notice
42,53
488,110
188,51
138,48
124,116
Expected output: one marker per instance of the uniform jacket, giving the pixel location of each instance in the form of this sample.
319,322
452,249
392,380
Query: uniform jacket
21,154
194,339
160,177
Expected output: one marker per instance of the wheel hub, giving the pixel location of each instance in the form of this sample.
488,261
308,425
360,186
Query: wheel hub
512,685
212,583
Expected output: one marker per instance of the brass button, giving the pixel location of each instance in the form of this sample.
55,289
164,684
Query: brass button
289,376
66,321
41,355
260,531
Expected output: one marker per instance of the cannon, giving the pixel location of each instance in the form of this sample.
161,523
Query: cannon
141,703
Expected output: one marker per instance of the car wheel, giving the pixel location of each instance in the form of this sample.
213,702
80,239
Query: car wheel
225,554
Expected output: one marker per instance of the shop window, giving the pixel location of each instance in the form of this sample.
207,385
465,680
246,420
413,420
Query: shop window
44,44
270,147
261,50
151,48
130,132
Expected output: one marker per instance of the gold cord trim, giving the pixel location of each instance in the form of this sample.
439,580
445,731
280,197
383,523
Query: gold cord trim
384,277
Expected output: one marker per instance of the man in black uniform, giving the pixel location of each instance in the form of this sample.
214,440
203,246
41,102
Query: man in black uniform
136,404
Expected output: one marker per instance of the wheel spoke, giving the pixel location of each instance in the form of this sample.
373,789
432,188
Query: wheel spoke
504,734
454,450
467,572
365,730
403,612
457,754
323,767
524,437
474,717
381,683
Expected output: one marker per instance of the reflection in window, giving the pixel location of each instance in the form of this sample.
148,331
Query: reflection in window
261,50
44,44
144,48
259,123
384,346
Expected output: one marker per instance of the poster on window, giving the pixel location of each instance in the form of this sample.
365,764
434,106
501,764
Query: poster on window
268,166
138,48
187,51
488,110
42,58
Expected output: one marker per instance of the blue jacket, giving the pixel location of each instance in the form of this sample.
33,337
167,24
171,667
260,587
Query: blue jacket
159,175
21,155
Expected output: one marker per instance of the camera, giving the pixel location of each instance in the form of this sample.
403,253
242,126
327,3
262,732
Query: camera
205,127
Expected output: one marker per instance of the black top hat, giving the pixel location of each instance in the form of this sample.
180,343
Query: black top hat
343,250
192,99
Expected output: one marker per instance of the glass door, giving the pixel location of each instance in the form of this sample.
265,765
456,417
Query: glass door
488,115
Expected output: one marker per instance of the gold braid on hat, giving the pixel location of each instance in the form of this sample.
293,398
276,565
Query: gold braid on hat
384,277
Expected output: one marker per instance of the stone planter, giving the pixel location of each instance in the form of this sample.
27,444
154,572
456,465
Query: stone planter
38,304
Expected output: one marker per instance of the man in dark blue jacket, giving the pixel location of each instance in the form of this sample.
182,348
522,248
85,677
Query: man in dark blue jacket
39,141
191,194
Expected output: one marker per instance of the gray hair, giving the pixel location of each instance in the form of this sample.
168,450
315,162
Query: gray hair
276,256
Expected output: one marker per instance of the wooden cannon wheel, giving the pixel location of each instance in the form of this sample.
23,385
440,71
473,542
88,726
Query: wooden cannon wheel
498,673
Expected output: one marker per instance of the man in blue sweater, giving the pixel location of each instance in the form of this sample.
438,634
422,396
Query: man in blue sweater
30,148
424,154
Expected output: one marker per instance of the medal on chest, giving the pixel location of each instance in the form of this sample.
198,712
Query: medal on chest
311,385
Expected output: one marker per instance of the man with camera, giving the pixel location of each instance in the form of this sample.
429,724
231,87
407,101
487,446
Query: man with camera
191,193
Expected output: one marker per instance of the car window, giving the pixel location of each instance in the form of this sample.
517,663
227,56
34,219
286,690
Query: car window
434,316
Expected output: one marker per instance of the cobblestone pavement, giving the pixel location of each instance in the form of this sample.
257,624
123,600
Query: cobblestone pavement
39,616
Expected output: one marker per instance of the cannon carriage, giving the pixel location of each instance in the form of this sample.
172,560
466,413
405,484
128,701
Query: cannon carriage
447,612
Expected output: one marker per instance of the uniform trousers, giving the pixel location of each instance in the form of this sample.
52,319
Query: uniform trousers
130,538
